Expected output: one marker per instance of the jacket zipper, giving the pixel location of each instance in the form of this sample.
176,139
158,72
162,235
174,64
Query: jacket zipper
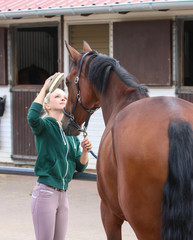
73,142
66,162
66,159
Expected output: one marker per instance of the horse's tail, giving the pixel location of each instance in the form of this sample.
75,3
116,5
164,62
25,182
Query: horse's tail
177,206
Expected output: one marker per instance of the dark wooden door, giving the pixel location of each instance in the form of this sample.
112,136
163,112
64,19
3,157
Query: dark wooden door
24,151
36,56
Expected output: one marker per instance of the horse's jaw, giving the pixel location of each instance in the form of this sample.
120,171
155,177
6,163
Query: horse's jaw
68,128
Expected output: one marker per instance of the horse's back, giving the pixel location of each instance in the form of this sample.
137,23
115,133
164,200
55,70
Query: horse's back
150,117
150,109
140,134
143,125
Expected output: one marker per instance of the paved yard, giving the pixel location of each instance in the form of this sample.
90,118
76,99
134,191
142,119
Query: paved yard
85,222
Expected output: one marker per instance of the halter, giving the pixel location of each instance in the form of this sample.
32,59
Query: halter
78,99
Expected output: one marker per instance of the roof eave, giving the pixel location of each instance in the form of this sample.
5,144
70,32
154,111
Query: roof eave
114,8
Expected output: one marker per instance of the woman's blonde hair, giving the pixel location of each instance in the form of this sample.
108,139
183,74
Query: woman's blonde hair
46,100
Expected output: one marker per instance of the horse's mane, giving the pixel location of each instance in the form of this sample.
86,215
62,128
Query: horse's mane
100,68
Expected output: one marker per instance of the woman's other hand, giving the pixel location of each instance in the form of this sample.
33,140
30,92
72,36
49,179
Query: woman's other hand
86,144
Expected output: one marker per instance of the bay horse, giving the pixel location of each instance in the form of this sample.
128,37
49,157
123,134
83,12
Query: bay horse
145,157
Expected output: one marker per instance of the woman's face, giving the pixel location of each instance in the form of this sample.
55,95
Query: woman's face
57,100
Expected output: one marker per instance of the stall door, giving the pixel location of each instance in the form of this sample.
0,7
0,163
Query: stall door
36,58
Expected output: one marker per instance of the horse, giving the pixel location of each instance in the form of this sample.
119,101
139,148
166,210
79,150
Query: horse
145,157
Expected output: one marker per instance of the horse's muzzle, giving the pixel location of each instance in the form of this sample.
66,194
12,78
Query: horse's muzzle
69,128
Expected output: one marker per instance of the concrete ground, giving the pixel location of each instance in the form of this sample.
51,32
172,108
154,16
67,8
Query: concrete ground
84,223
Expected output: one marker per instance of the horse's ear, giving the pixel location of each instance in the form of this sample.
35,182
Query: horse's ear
86,47
75,55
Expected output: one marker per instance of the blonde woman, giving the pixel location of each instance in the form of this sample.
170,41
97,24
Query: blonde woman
58,156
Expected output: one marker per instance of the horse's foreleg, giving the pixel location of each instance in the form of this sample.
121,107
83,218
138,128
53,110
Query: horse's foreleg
112,224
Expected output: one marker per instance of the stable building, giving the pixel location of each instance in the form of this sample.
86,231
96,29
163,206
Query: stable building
153,40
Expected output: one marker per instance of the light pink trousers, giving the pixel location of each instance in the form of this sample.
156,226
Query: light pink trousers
49,212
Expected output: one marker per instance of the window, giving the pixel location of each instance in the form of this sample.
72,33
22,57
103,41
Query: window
37,54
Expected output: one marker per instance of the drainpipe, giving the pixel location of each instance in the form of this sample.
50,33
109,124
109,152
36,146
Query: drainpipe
113,8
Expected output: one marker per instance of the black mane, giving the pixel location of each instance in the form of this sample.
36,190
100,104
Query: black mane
100,69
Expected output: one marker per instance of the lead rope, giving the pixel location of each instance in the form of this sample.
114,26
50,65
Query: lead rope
95,156
89,150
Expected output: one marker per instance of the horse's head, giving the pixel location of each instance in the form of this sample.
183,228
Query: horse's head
82,96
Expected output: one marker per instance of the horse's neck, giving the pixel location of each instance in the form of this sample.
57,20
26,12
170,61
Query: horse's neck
117,96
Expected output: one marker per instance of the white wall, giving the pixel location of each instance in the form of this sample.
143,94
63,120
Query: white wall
5,128
167,91
95,130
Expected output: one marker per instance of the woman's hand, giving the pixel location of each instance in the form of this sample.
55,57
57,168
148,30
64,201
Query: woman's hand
48,82
86,144
40,97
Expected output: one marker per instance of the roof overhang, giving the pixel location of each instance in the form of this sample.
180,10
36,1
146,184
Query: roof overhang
97,9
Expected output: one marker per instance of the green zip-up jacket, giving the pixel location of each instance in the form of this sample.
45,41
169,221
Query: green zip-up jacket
58,155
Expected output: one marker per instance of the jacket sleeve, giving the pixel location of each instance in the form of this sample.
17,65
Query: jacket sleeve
79,166
34,120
